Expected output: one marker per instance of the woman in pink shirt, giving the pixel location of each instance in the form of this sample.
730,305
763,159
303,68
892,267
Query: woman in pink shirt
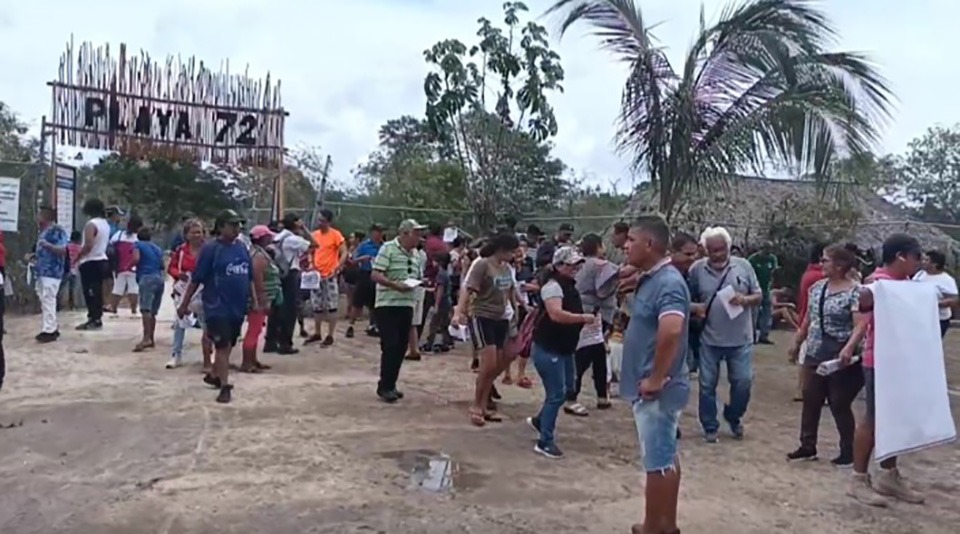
901,260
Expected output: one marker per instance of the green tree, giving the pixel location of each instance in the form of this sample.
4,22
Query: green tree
407,169
161,190
758,87
488,106
929,175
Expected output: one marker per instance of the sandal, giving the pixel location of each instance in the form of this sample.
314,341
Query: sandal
576,409
604,404
525,383
143,346
492,418
477,419
251,370
261,366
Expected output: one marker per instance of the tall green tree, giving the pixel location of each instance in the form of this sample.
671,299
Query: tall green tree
760,86
929,175
162,190
488,104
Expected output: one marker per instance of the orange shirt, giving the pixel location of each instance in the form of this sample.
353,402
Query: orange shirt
326,257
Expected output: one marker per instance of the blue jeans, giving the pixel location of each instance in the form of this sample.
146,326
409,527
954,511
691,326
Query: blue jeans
739,373
764,317
657,431
556,372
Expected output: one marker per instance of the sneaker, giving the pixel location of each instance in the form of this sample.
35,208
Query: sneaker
91,325
398,393
288,351
212,381
735,428
304,333
803,453
426,348
843,461
534,423
889,483
550,451
388,397
711,437
46,337
861,490
349,333
225,394
174,362
494,394
373,332
327,341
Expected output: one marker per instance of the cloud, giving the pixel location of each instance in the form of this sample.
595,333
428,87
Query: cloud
347,67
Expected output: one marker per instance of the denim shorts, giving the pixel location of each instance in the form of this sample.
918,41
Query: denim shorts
657,430
151,293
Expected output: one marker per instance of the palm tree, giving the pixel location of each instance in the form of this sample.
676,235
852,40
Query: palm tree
757,88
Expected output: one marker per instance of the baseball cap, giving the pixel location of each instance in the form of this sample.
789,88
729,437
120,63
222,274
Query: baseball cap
261,230
228,217
410,225
115,209
566,227
567,256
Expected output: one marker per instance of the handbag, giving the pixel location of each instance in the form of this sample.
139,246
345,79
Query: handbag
830,346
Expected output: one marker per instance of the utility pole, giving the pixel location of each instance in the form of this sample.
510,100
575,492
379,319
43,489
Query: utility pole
321,190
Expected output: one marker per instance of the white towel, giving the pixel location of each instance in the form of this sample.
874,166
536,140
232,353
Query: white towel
912,402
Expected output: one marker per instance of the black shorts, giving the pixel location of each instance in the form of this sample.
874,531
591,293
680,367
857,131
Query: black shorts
364,292
486,332
223,332
351,275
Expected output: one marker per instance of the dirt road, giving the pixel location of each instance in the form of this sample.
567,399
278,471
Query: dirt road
110,442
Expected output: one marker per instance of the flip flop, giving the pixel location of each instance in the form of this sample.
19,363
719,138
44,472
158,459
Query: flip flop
477,419
251,370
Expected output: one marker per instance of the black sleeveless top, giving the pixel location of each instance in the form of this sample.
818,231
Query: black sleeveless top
559,338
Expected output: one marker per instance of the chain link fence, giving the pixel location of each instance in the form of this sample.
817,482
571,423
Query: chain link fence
33,184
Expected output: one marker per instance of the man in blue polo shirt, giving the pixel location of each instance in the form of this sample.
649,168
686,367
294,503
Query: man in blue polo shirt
365,291
654,369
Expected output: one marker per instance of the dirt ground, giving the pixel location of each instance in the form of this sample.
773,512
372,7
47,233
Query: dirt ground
107,441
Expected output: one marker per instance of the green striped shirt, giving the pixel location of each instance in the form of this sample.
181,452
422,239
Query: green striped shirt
397,265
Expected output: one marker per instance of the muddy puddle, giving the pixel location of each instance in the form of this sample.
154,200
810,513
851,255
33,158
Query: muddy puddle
434,471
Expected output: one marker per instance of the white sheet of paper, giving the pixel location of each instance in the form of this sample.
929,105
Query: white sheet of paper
412,282
310,280
724,296
449,234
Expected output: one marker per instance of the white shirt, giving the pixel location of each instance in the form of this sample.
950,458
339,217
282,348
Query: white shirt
946,287
98,251
292,247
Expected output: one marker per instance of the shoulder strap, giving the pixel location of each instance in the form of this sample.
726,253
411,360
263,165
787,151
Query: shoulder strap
823,297
723,278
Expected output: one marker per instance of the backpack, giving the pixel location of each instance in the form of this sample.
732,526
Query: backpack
113,258
525,334
283,264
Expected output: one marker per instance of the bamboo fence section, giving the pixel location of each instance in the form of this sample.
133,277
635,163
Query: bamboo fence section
178,108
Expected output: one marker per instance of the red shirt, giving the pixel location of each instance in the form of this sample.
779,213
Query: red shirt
435,245
812,275
181,261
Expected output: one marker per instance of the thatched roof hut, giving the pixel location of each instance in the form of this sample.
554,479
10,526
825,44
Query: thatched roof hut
750,207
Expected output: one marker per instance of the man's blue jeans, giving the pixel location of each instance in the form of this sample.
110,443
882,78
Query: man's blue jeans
739,373
554,370
764,317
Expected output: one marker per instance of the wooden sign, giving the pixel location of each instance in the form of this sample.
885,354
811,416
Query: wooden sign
141,107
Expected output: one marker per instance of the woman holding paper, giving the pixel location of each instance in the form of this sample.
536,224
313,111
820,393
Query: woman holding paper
830,333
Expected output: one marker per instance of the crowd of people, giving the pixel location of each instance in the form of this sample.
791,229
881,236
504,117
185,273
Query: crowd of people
645,309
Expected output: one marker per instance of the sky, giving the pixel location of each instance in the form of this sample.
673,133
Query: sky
349,66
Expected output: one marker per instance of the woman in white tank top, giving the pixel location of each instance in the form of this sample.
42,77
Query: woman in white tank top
92,264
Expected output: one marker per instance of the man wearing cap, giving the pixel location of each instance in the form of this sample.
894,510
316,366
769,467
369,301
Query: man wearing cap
224,270
546,249
395,271
364,294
